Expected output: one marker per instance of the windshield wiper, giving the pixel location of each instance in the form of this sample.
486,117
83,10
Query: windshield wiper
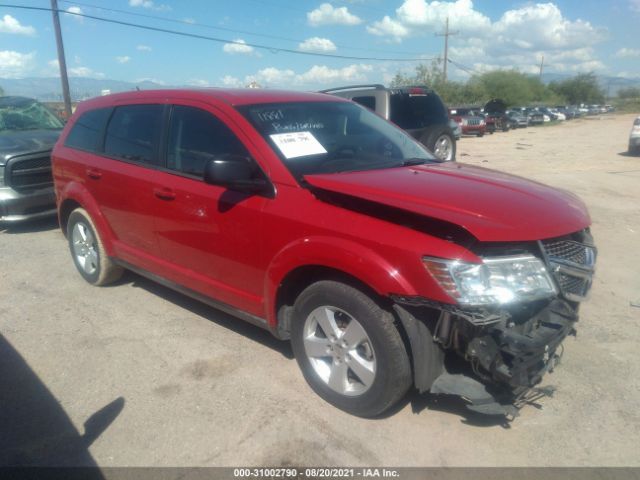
409,162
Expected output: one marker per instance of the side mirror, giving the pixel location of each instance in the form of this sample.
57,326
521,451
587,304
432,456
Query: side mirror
237,173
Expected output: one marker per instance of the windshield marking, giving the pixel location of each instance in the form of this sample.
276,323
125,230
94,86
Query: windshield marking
297,144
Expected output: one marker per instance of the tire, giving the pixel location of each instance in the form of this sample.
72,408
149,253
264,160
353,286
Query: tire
88,252
369,370
481,134
441,143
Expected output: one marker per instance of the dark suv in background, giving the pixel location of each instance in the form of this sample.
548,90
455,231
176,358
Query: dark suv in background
417,110
28,131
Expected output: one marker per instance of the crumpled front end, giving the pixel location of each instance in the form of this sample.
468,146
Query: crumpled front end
506,349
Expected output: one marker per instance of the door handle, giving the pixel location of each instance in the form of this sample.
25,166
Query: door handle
93,173
164,193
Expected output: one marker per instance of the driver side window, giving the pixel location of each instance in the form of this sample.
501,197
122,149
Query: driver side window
195,137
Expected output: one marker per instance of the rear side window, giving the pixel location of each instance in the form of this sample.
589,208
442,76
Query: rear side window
368,101
86,133
417,111
195,137
133,133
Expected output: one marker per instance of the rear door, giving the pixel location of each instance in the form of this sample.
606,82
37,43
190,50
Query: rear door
211,236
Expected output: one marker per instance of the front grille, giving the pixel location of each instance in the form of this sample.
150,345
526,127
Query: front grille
473,121
29,172
572,264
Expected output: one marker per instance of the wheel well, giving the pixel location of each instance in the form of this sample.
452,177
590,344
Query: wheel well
65,210
297,280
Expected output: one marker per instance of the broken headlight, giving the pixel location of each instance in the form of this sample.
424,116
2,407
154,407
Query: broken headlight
497,280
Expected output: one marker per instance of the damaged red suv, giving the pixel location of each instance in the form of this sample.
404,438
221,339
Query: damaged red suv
314,218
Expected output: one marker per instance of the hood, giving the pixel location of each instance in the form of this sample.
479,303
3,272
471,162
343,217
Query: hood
492,206
16,142
495,106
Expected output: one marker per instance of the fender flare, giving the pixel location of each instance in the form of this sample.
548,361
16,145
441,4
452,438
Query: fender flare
342,255
78,193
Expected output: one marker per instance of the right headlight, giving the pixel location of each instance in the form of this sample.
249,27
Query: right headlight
497,280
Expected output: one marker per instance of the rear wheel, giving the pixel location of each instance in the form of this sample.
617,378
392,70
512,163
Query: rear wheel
349,349
441,143
88,251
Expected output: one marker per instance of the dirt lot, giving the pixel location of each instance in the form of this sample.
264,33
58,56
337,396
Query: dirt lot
192,386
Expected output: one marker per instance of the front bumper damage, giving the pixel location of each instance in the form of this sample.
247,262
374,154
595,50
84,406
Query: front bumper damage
505,350
506,353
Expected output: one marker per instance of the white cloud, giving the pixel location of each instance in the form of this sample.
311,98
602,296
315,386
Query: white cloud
123,59
316,77
317,44
230,81
15,64
149,4
78,71
8,24
198,82
143,48
239,47
628,52
76,10
517,39
388,27
327,14
433,15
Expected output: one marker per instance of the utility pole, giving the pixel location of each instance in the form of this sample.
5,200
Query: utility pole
446,36
61,60
541,65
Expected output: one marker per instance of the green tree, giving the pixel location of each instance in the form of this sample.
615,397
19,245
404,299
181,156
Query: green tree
582,88
512,87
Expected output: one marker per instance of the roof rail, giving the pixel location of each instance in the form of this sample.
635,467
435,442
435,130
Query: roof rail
376,86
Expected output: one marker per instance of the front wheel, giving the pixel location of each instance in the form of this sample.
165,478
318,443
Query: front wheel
349,349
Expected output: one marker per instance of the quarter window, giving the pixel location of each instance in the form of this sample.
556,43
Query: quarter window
86,133
195,137
368,101
133,133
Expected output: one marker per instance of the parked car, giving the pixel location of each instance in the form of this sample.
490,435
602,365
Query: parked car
456,128
28,131
535,117
318,220
496,117
418,110
634,138
517,119
471,122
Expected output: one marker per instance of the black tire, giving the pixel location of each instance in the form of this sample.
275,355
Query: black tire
481,134
98,268
392,377
434,135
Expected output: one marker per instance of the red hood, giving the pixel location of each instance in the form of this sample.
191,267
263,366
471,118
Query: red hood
492,206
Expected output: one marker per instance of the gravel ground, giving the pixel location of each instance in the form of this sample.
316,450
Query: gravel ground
186,385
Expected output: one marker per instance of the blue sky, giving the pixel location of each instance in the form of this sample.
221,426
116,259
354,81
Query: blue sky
574,36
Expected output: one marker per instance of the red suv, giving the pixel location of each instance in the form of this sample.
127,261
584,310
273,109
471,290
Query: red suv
312,217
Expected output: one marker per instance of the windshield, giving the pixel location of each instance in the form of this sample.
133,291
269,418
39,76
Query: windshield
27,115
332,137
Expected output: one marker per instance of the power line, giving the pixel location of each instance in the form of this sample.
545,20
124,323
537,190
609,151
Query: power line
217,27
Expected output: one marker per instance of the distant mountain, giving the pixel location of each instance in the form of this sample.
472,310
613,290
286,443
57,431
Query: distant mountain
610,84
49,89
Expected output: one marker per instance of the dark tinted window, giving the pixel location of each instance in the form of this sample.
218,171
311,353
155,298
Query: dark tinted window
417,111
369,102
133,133
86,133
195,137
